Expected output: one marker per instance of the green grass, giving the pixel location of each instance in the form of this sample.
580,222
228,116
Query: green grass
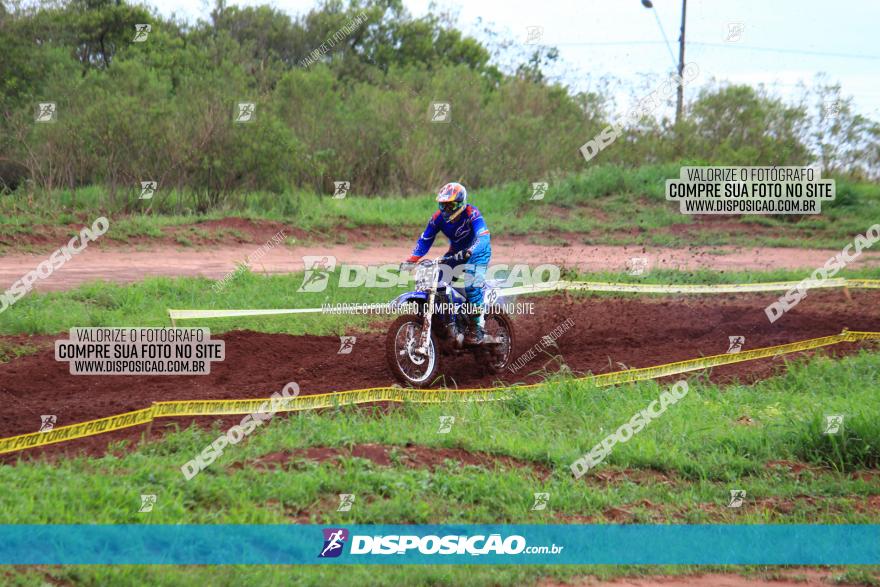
392,576
146,303
10,350
709,276
697,444
607,204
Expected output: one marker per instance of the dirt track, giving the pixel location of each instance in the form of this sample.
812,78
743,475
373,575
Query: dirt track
218,246
608,335
116,264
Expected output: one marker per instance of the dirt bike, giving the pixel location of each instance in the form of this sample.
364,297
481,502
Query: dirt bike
417,341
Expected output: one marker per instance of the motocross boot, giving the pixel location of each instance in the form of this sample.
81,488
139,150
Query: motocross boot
474,332
486,338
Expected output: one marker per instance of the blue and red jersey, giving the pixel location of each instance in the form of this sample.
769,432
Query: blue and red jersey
467,231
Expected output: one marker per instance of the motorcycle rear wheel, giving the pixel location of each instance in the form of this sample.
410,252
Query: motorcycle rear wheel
496,359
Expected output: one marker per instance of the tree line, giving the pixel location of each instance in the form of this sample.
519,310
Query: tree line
347,92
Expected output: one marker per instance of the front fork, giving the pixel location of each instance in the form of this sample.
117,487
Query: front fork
425,335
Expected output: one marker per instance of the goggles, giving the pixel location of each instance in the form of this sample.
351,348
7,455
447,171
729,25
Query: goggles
449,207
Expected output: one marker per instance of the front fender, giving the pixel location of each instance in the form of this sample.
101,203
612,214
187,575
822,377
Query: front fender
410,297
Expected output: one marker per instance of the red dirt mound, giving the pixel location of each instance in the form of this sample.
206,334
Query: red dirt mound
413,456
608,334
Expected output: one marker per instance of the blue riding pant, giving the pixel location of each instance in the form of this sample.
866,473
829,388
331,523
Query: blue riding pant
475,271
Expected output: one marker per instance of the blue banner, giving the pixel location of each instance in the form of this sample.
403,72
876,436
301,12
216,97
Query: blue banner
441,544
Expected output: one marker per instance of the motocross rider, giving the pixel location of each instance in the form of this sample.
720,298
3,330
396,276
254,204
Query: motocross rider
468,238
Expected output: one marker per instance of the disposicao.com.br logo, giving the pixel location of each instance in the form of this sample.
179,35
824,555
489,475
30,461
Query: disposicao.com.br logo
453,544
320,269
334,541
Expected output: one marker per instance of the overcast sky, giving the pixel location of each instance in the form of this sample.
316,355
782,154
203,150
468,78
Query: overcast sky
780,43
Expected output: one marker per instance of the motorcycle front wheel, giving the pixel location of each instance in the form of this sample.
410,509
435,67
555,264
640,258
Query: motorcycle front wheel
408,366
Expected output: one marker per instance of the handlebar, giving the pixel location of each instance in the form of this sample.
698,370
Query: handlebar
406,265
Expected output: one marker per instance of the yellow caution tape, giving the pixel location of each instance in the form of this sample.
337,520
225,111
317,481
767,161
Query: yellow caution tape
729,359
863,283
73,431
169,409
667,288
325,400
563,285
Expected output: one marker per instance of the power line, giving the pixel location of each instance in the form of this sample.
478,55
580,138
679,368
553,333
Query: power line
610,43
794,51
724,46
663,32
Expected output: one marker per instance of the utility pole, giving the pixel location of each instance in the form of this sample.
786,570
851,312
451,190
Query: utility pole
679,106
